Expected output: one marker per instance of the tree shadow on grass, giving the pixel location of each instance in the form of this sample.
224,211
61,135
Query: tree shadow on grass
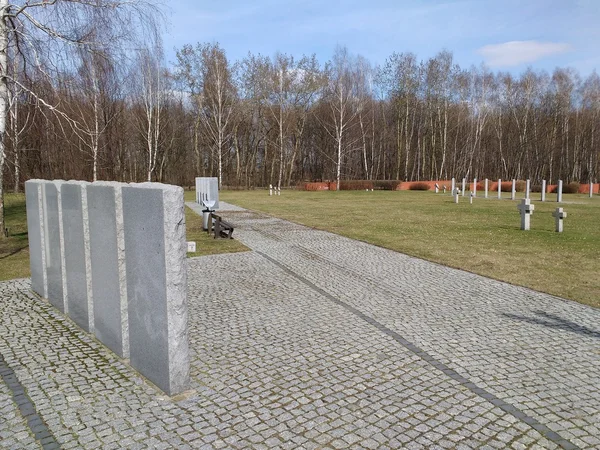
556,322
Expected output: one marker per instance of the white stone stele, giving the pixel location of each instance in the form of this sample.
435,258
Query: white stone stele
499,189
107,261
77,268
486,186
54,242
559,214
156,266
591,189
526,210
207,192
527,188
513,192
543,196
35,219
464,185
456,194
437,188
559,191
270,189
453,186
471,196
474,192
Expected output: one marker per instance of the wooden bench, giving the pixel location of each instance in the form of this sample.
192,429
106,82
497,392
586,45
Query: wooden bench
222,229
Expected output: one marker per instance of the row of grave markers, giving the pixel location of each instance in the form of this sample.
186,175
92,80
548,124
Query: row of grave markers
456,191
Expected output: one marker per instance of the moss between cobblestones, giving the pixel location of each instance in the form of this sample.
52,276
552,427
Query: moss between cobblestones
483,238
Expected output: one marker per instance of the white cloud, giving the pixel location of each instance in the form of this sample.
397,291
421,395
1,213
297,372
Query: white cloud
514,53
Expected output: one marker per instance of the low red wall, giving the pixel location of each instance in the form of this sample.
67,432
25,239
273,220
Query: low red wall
584,188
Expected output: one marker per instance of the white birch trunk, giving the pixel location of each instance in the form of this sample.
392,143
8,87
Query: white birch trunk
3,103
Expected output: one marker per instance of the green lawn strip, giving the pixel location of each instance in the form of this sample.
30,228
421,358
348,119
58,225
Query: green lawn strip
205,243
14,250
483,238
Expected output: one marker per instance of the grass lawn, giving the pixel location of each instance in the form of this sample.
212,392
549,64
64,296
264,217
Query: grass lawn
14,251
483,237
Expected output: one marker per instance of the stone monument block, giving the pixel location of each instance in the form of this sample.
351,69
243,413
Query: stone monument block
109,306
559,191
53,238
79,289
35,231
155,249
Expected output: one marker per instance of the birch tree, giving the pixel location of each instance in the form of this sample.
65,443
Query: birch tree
46,33
341,96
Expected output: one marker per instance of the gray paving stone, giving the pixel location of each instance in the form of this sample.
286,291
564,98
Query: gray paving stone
276,362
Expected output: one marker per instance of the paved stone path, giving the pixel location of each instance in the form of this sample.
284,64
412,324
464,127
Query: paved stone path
317,341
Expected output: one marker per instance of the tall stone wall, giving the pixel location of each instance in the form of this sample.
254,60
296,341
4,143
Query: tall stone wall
113,257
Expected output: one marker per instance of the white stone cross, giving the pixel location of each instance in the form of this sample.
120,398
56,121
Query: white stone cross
456,193
471,197
526,210
559,215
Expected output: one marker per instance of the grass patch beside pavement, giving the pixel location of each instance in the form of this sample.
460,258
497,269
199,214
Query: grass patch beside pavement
14,250
483,238
205,244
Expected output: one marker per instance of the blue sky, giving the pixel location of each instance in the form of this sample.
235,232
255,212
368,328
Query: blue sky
508,35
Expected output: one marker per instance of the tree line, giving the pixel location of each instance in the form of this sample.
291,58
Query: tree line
118,113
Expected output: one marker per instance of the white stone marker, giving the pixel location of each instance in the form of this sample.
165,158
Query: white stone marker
591,189
444,189
499,188
464,182
486,185
155,254
55,245
455,193
559,191
474,192
513,192
559,215
471,197
527,188
526,210
270,189
437,188
453,186
543,190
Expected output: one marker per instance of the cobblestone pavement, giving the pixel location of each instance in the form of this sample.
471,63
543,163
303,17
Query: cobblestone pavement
317,341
